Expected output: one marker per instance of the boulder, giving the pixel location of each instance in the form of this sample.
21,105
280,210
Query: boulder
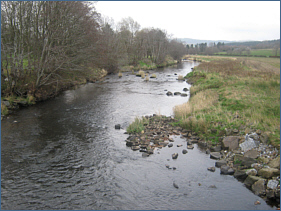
226,170
272,184
240,175
220,163
252,172
183,95
259,187
268,172
270,194
244,161
252,154
250,180
216,148
275,163
185,89
248,144
184,151
215,155
118,126
230,142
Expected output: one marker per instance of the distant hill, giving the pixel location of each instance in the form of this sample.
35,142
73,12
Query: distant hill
195,41
252,44
257,44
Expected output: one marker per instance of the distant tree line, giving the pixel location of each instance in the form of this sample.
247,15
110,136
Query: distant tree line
41,38
236,48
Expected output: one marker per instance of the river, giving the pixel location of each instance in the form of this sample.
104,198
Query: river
65,153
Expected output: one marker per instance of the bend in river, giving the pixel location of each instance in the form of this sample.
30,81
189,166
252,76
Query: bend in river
66,154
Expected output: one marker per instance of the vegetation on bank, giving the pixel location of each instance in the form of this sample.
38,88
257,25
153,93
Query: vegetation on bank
49,46
236,93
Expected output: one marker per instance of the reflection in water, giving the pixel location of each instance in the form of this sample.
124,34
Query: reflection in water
66,154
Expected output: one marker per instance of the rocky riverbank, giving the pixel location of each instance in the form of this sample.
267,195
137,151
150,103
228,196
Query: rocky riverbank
248,158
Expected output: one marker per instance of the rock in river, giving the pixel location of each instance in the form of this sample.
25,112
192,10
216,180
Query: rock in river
215,155
175,155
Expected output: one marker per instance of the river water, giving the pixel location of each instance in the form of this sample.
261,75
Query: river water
66,154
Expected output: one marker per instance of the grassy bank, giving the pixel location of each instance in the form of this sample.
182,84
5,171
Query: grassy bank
241,94
27,94
147,64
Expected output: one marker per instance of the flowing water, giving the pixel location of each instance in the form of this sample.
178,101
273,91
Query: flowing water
66,154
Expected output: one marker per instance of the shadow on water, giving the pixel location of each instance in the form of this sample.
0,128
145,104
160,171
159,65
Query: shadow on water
66,154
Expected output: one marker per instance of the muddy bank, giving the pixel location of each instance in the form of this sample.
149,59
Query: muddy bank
248,158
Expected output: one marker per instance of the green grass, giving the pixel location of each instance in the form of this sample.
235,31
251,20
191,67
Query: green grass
224,89
138,125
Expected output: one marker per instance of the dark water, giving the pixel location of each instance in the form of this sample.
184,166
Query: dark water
66,154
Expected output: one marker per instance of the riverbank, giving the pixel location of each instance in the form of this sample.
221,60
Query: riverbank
233,115
248,158
62,81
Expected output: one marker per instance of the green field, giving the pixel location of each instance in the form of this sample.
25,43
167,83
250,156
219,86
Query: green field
256,52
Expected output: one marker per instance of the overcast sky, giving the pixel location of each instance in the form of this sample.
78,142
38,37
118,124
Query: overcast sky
209,20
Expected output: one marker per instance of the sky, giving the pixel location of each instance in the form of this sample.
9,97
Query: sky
205,20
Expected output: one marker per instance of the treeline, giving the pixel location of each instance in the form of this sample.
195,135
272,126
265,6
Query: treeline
40,39
236,48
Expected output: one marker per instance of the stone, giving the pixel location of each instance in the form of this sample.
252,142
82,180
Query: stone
215,155
144,154
270,194
216,148
183,95
244,161
190,147
230,143
220,163
268,172
272,184
135,148
264,138
226,170
240,175
169,93
118,126
252,154
175,185
6,103
252,172
177,93
250,180
185,89
129,143
208,151
202,143
254,136
175,155
212,169
259,187
179,145
170,145
189,142
184,151
248,144
275,163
